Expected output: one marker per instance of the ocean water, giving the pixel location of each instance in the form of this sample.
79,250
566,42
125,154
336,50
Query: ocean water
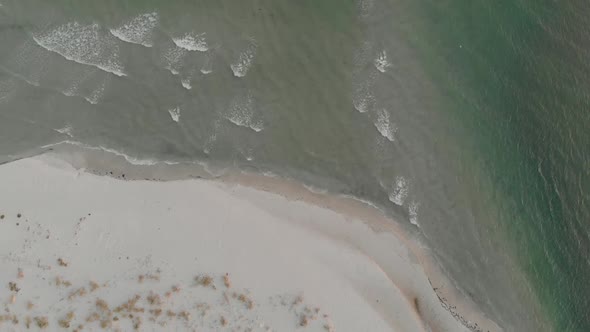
467,121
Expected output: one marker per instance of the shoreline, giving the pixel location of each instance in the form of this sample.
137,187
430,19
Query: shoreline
366,229
373,217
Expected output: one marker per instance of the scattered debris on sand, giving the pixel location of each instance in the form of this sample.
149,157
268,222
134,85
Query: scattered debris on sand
62,262
329,327
61,282
303,321
67,320
244,299
226,280
42,322
93,286
154,299
205,281
88,309
184,315
77,293
151,277
13,287
28,322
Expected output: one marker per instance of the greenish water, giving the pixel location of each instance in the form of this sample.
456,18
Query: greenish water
467,121
519,82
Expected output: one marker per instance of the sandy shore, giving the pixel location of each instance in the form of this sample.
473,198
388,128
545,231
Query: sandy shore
89,252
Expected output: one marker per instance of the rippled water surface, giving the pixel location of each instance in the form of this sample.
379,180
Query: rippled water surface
466,120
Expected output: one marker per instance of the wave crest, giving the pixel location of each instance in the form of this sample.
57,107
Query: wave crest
84,44
139,30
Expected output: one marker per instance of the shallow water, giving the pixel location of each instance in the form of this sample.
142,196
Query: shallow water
467,121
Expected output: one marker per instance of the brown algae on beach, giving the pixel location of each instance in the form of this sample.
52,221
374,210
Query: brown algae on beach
13,287
93,286
42,322
62,262
226,280
61,282
205,281
153,307
77,293
67,320
244,299
145,277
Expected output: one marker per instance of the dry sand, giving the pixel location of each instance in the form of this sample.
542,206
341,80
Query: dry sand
88,252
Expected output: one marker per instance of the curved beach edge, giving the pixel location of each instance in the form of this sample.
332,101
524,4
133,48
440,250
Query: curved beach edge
240,251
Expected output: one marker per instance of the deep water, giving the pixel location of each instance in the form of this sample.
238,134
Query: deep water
516,74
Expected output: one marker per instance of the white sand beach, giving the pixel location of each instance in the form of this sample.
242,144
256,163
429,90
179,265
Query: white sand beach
79,251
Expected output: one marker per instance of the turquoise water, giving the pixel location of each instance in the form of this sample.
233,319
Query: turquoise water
519,83
466,120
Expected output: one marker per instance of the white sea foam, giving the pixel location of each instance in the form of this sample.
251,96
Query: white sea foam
74,79
242,114
363,101
384,125
139,30
413,213
84,87
365,201
247,153
96,95
175,113
174,57
84,44
207,67
192,42
71,91
363,98
400,191
186,83
67,130
257,126
381,62
314,189
241,66
129,159
243,119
